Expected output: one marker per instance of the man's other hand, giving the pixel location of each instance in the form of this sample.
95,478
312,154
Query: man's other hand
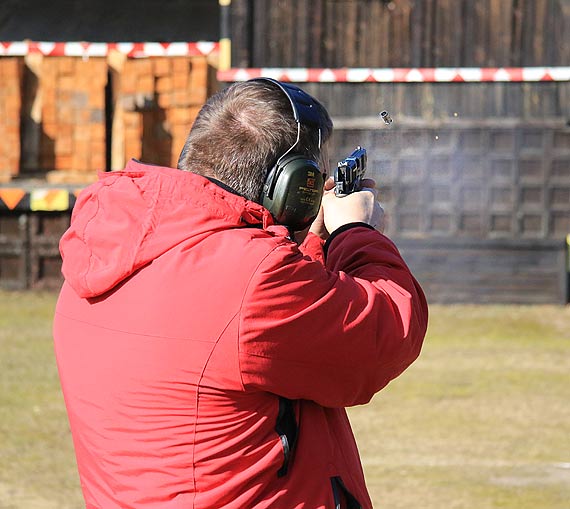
359,207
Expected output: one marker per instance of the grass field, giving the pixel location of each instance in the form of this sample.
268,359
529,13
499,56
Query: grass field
482,420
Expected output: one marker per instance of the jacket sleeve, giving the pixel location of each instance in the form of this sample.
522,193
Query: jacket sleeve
334,334
312,247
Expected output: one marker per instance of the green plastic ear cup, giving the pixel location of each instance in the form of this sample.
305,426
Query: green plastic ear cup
293,192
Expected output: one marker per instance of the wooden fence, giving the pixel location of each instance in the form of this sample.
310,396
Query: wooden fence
475,177
486,181
494,271
400,33
29,254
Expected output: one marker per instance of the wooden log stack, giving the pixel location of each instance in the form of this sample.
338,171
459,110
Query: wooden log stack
158,99
77,116
72,116
10,108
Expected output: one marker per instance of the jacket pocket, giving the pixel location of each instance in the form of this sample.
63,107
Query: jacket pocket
286,428
343,499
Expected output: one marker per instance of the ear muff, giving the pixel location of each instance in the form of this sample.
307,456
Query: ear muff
293,191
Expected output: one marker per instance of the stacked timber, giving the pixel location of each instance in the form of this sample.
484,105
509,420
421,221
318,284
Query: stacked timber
157,100
72,117
78,116
10,107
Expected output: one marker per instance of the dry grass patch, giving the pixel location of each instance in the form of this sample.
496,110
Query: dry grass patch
481,420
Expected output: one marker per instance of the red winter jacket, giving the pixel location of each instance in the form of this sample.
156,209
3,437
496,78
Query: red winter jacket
206,360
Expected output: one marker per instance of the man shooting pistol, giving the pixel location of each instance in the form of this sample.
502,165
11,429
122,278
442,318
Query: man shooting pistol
206,357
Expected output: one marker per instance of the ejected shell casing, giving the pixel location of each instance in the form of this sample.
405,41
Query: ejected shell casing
386,117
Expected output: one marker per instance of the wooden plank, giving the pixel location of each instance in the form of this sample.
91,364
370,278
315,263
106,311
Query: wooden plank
553,37
442,35
316,20
540,33
517,33
385,36
346,34
453,40
116,62
528,26
376,25
363,49
417,29
468,45
395,33
481,33
404,13
457,20
495,34
428,35
513,102
260,34
241,33
340,34
287,30
300,33
274,36
329,34
506,18
397,53
562,33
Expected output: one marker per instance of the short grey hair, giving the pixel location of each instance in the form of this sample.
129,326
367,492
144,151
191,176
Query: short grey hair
241,132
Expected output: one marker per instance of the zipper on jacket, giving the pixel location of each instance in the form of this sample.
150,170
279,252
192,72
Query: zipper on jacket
286,428
343,499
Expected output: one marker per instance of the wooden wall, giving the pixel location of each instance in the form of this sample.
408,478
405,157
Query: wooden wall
484,181
434,102
501,271
475,177
400,33
29,254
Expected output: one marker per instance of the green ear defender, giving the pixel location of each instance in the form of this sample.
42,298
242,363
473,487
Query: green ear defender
293,191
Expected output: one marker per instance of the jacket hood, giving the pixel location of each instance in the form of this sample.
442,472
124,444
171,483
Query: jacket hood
129,218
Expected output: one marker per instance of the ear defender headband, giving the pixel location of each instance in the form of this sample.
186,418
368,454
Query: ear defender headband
294,186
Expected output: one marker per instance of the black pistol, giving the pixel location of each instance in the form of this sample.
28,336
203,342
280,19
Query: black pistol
349,172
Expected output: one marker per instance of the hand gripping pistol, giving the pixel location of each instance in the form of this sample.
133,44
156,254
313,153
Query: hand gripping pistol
350,172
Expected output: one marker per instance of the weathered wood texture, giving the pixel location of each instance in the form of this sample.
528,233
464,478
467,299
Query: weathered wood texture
14,257
29,253
515,272
400,33
450,270
45,231
435,101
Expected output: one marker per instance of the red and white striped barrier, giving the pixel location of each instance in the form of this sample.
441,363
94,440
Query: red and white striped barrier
401,75
102,49
292,74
